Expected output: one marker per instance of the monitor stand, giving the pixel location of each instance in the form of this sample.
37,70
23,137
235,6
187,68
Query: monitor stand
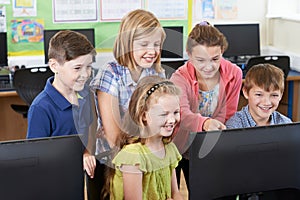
238,59
251,196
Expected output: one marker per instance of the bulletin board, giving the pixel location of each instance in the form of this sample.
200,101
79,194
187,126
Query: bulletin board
105,30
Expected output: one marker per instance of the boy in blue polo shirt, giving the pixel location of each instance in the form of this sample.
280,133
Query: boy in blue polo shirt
263,88
65,106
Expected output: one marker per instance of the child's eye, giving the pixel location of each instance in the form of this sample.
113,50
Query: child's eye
177,112
257,94
143,44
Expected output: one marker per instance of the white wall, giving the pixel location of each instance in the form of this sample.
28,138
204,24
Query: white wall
283,23
248,11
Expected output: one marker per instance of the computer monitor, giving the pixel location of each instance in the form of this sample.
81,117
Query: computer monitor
3,49
173,44
243,161
243,40
89,33
47,168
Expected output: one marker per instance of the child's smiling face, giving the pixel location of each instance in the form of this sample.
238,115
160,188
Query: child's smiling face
262,103
162,116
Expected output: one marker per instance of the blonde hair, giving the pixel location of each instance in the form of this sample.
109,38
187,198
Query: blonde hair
136,24
207,35
266,76
68,45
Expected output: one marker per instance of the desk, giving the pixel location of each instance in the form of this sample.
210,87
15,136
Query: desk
290,102
12,124
293,81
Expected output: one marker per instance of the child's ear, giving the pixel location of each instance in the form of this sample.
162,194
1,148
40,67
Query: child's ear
144,119
53,64
245,93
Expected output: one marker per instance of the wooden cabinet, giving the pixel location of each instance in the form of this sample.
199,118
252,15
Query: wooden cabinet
12,124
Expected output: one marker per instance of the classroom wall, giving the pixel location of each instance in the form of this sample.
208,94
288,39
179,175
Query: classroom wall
283,25
249,11
32,53
274,35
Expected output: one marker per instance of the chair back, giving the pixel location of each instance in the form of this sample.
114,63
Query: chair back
282,62
29,82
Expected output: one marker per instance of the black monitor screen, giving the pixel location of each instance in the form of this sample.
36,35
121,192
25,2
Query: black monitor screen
243,39
173,44
3,49
48,168
89,33
244,161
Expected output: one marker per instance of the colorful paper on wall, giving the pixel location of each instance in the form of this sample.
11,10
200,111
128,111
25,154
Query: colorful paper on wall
2,19
27,30
4,1
208,9
23,8
226,9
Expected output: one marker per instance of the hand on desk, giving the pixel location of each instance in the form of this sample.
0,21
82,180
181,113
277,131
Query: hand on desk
89,163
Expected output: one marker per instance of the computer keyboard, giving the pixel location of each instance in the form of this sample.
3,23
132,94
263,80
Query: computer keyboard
6,83
6,86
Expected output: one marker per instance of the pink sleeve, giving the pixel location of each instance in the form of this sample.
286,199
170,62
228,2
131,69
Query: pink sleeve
191,120
232,93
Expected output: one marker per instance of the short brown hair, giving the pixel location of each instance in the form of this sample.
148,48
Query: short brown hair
266,76
206,35
67,45
135,24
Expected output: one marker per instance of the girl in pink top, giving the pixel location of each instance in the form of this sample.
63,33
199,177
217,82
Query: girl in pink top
210,87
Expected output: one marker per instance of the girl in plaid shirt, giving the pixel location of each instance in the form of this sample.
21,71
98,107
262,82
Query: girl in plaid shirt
137,54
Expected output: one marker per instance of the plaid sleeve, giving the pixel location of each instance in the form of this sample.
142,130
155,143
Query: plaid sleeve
105,81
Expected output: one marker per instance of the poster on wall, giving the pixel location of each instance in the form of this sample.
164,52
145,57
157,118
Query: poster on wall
24,8
203,9
168,9
68,11
226,9
27,30
2,19
115,10
215,9
4,1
